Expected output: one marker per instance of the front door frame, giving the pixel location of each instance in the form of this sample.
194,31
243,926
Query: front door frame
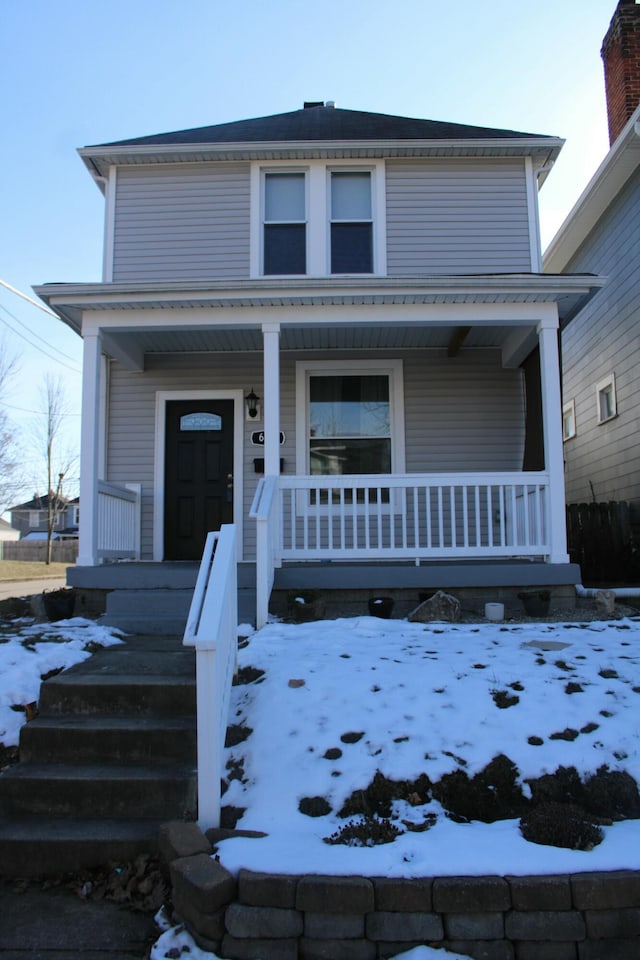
162,398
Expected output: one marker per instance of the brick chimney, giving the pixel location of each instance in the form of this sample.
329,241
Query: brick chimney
621,55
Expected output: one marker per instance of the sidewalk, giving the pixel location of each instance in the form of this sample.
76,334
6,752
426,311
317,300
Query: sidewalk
56,924
26,588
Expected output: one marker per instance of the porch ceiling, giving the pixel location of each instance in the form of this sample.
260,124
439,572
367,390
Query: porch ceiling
304,338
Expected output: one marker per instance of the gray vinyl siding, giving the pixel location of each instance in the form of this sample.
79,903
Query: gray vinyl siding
457,217
461,414
182,222
603,460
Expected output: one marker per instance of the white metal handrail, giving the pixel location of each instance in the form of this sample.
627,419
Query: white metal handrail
118,521
212,628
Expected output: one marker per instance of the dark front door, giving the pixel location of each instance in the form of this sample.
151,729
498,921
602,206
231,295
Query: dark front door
198,474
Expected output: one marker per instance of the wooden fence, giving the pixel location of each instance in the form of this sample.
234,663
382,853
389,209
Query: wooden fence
600,539
62,551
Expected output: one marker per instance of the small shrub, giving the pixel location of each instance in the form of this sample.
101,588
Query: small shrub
247,675
314,806
368,832
375,800
561,825
612,794
492,794
503,699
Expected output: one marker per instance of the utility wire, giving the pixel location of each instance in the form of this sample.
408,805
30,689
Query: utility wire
37,346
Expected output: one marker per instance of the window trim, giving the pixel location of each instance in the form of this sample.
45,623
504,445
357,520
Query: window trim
608,382
391,368
318,214
569,409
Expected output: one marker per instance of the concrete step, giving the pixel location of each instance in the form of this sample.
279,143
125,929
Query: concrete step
113,739
141,696
163,611
44,846
150,792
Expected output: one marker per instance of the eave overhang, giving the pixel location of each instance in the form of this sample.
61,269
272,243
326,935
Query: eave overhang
70,301
98,160
617,167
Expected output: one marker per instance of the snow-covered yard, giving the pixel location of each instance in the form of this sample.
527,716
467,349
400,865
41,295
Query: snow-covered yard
324,706
340,700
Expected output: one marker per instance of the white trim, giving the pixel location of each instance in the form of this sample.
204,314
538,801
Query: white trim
162,398
602,385
109,225
89,449
533,212
318,197
569,414
393,369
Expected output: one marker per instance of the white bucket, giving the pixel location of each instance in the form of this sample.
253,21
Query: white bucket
494,611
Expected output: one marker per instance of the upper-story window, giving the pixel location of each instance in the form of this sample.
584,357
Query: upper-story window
318,219
351,222
285,228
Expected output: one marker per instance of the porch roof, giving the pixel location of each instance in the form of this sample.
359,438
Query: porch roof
69,301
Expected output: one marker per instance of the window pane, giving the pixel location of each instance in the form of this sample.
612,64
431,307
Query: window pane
285,248
351,248
351,196
349,406
338,457
284,197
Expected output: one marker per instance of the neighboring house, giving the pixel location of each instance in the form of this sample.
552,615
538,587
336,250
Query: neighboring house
7,532
30,519
343,312
601,343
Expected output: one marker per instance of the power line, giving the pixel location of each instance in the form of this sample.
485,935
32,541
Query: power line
38,413
38,346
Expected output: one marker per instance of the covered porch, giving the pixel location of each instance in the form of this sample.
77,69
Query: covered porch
408,515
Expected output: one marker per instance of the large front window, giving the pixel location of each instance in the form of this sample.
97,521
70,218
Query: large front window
349,424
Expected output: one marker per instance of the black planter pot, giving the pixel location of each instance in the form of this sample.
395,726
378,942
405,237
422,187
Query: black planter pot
536,602
59,604
381,607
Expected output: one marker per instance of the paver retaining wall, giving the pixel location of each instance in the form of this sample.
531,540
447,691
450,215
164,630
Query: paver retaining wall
258,916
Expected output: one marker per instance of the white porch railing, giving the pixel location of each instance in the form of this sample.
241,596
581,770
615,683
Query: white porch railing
398,517
212,628
118,521
414,516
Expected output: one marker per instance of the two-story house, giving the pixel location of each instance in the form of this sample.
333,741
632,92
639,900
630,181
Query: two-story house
333,326
600,345
31,519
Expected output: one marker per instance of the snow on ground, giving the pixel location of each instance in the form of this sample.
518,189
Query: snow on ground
424,699
29,651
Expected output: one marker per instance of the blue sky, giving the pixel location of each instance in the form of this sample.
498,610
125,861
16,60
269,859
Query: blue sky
74,74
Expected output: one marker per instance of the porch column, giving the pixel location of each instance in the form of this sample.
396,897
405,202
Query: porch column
271,355
90,434
552,426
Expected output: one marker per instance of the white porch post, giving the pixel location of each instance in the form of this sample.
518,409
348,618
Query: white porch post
90,450
271,353
552,426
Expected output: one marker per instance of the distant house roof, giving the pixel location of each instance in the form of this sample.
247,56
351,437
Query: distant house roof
321,122
37,503
317,130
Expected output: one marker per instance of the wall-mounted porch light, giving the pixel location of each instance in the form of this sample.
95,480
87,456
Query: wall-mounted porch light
252,406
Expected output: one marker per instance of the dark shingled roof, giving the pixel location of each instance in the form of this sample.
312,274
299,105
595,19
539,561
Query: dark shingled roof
324,123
